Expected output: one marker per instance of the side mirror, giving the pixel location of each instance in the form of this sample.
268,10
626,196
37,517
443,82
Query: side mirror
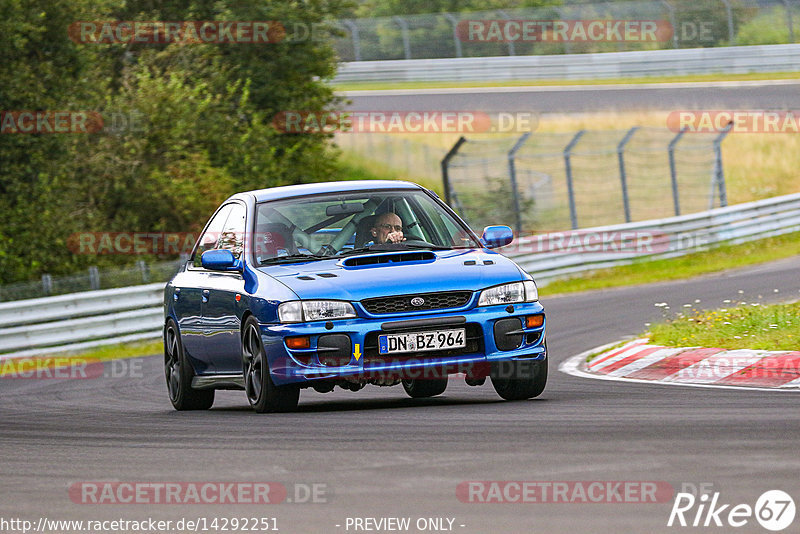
497,236
220,260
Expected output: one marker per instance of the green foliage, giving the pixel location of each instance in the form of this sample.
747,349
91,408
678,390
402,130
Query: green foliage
769,27
196,122
493,204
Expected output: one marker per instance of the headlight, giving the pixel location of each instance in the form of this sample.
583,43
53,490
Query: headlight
299,311
509,294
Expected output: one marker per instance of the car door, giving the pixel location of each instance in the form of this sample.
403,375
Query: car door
188,293
221,324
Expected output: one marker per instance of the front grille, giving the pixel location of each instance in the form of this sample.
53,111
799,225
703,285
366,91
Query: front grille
474,345
402,303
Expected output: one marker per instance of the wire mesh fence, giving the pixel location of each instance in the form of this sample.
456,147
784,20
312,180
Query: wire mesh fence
92,279
554,181
681,24
405,158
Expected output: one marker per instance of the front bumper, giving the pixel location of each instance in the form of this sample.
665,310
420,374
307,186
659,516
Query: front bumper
491,338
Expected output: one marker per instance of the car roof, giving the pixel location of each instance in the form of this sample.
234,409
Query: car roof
288,191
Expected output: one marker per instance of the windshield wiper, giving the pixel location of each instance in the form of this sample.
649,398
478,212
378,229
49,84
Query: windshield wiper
294,257
428,246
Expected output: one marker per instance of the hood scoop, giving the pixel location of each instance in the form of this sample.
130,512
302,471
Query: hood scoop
390,259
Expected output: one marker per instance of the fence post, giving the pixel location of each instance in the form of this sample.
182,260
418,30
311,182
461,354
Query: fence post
353,27
573,213
144,270
719,175
567,47
445,165
456,38
673,21
94,277
404,32
407,153
622,177
789,20
673,172
511,49
729,11
47,284
512,174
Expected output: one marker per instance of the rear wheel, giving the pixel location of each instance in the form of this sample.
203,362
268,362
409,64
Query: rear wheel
420,388
179,375
519,380
263,394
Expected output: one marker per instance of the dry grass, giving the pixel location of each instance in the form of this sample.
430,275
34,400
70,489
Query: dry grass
756,165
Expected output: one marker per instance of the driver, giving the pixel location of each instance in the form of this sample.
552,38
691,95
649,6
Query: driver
388,228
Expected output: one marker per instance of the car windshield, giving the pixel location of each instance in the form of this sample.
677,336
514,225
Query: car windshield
337,224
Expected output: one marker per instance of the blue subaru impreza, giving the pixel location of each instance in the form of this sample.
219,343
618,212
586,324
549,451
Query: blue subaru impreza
347,284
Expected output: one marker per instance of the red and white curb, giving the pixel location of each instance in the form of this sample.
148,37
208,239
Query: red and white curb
639,361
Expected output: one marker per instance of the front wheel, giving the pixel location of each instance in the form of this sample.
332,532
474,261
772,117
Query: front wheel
421,388
519,380
179,375
263,394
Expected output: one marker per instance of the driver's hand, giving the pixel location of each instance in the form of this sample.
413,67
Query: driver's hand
395,237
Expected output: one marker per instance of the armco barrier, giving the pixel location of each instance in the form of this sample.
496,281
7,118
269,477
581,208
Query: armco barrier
88,319
80,320
727,60
674,236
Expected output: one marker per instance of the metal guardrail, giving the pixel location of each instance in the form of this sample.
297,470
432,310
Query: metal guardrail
84,320
80,321
467,33
728,60
671,237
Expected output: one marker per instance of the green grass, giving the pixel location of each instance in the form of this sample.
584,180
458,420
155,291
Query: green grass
746,326
710,261
111,352
372,86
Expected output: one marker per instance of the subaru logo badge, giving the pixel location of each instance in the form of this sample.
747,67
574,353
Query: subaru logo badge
417,301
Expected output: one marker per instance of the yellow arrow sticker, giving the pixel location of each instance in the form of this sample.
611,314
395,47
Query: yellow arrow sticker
357,351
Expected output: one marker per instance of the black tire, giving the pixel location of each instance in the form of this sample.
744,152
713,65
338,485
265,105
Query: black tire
519,380
418,388
179,375
262,393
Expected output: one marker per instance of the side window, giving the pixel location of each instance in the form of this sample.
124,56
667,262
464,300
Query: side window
452,234
232,236
210,237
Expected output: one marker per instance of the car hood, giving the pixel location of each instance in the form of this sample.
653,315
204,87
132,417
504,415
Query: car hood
345,279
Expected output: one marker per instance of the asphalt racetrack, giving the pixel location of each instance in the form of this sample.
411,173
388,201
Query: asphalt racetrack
748,95
378,454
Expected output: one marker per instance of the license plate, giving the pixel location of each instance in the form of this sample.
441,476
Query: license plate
422,341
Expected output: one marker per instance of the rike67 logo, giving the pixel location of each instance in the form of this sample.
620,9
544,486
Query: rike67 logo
774,510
